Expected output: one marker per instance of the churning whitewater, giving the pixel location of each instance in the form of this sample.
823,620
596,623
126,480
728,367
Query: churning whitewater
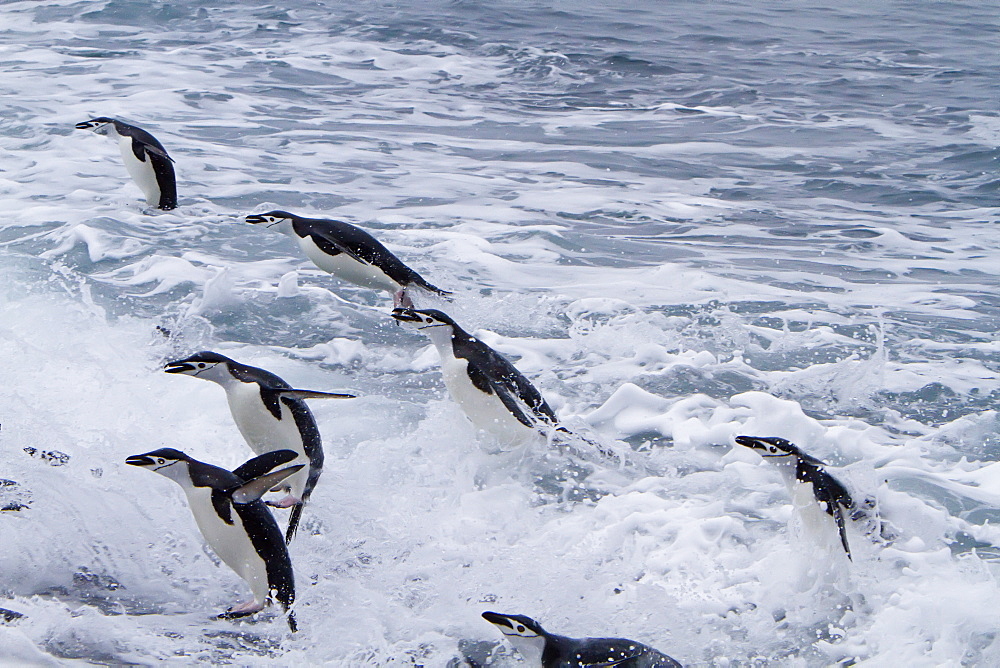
682,223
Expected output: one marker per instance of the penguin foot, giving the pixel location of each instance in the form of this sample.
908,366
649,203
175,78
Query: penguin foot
286,502
242,610
401,299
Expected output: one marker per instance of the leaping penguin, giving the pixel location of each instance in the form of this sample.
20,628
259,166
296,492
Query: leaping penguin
270,415
493,394
235,523
541,648
809,483
349,253
145,159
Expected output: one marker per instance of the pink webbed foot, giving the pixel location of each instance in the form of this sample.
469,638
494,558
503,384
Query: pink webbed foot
286,502
401,299
242,609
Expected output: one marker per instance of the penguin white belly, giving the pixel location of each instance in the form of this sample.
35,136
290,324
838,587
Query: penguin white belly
485,411
345,267
263,433
141,172
818,527
229,541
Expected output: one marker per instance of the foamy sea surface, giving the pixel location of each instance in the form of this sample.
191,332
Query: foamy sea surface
683,221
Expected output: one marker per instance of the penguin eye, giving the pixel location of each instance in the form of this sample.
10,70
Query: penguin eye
428,320
201,365
772,448
160,460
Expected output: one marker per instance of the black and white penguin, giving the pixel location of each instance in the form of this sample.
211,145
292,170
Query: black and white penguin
270,415
349,253
145,159
541,648
495,396
816,495
234,521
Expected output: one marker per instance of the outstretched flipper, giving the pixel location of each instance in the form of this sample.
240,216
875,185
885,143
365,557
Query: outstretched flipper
314,394
264,464
256,488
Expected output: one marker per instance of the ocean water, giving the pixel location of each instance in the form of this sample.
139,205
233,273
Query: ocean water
684,222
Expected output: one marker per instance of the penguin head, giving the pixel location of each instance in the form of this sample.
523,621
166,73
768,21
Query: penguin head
206,364
769,446
527,635
167,462
435,324
101,125
280,221
425,319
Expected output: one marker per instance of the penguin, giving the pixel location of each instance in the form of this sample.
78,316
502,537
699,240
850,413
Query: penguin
541,648
349,253
810,485
145,159
235,523
271,416
495,396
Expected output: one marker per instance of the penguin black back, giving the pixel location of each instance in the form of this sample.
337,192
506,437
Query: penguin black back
359,243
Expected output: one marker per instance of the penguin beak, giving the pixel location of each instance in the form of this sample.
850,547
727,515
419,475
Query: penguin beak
255,219
402,314
180,366
84,125
140,460
755,443
498,619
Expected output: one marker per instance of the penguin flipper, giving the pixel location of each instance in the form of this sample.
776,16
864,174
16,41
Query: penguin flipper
148,148
492,373
513,405
293,522
256,488
314,394
838,516
263,464
484,383
517,389
331,246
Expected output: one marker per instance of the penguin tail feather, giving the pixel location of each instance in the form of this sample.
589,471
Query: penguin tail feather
293,624
436,290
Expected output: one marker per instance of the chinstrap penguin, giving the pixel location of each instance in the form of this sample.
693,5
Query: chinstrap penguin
810,485
234,521
548,650
495,396
145,159
270,415
349,253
